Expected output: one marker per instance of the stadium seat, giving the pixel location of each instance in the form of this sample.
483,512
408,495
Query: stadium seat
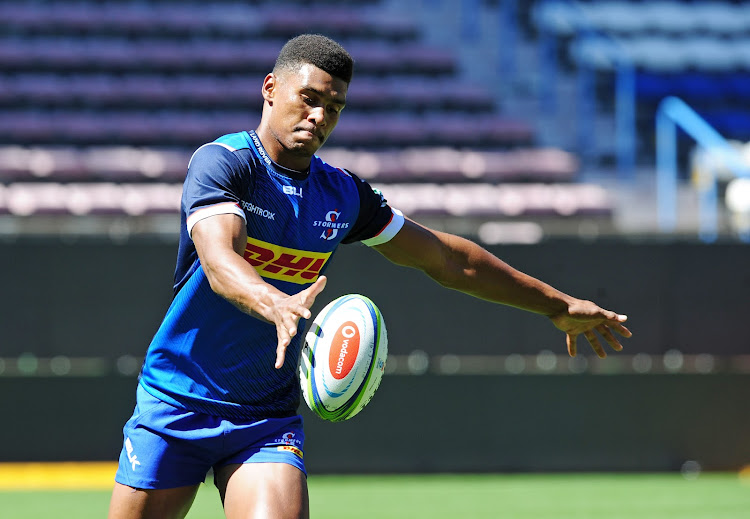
445,164
476,199
742,53
666,17
737,86
560,18
733,124
654,86
721,18
169,76
619,17
710,53
698,87
631,18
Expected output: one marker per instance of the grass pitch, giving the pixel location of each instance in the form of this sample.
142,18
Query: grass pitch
556,496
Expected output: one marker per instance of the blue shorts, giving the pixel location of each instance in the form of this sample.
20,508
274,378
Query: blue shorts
167,447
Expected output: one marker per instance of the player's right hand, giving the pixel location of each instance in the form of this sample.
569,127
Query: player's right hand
288,313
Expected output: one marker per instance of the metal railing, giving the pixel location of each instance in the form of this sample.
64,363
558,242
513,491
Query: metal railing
671,113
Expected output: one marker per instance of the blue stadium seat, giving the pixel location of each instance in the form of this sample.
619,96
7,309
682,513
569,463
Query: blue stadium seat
733,124
614,16
654,86
696,87
667,17
737,86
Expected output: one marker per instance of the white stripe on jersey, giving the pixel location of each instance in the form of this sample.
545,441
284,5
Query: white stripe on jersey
389,231
213,210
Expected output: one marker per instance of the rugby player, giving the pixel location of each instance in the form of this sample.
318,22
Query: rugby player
261,216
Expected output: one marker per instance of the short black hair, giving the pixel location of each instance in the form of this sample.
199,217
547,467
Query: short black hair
317,50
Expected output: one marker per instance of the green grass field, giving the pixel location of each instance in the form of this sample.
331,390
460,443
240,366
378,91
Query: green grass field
558,496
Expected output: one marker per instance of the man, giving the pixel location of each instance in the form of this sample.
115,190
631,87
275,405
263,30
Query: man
261,215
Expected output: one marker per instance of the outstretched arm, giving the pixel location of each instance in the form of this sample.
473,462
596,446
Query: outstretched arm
220,242
461,264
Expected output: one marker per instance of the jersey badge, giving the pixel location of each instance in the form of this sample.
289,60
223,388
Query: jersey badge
331,225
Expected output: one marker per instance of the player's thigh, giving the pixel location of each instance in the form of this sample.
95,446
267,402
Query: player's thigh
169,503
263,491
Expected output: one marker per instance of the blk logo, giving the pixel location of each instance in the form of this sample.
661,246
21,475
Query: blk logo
291,190
132,458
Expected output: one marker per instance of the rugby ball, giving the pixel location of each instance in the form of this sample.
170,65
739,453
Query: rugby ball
343,358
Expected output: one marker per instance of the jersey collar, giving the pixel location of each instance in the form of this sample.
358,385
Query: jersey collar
272,165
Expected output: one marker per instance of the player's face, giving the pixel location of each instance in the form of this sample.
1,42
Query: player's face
304,108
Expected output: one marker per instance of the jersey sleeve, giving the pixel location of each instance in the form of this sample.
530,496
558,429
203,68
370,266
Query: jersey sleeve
212,185
377,221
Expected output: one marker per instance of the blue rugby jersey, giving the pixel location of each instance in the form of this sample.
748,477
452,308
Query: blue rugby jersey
207,355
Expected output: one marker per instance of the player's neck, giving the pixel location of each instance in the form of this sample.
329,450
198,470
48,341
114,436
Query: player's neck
279,154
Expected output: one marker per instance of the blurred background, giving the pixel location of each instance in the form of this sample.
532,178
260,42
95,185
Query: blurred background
600,146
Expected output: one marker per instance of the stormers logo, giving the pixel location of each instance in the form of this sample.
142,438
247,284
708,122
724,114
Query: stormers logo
331,225
288,438
275,262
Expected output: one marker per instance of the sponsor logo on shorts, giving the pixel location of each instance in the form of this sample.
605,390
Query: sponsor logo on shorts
275,262
288,438
289,448
331,225
132,458
344,349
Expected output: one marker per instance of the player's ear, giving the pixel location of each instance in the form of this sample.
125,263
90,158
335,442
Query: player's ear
269,87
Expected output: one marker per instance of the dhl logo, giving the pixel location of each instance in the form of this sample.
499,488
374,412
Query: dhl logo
291,449
275,262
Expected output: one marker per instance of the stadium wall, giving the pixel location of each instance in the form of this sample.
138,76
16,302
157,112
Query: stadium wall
439,423
97,300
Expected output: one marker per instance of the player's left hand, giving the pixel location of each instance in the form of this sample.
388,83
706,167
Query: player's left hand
585,317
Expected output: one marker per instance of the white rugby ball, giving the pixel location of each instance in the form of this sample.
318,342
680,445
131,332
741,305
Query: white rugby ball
343,358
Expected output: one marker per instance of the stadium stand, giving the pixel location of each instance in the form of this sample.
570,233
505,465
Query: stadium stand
99,99
699,51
